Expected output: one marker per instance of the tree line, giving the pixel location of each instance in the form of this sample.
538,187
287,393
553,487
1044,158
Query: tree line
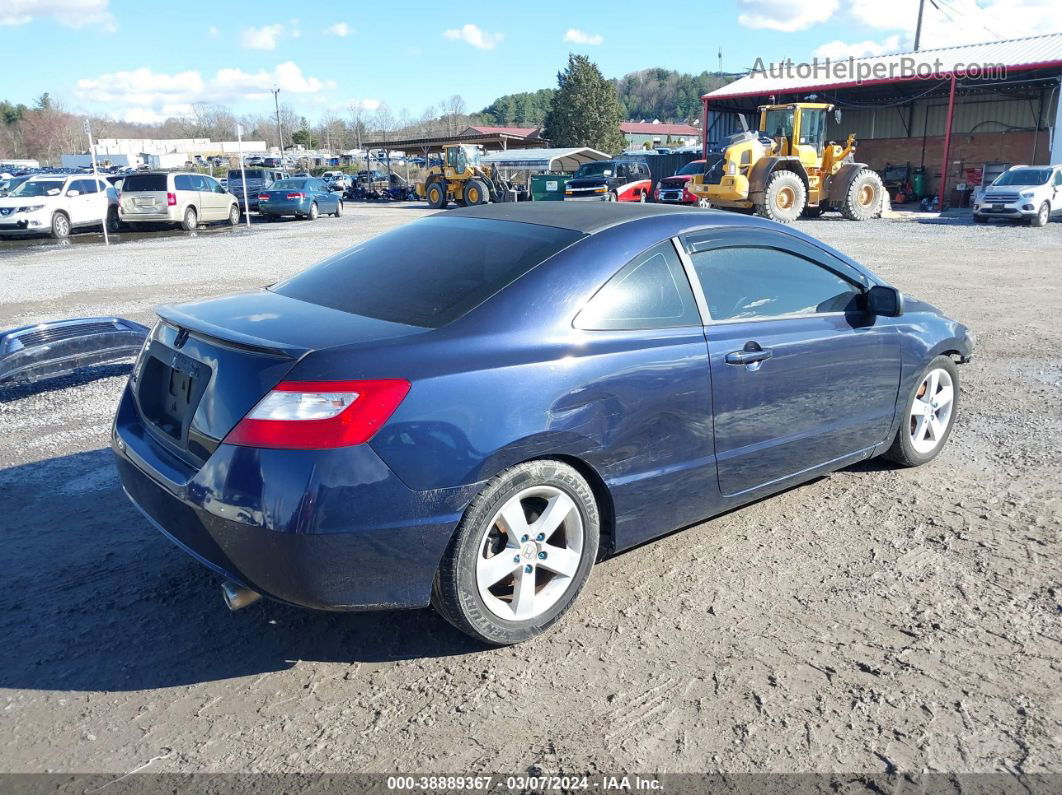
585,109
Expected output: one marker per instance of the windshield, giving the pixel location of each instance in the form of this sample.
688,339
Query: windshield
696,167
38,187
1024,176
428,273
602,168
289,184
778,123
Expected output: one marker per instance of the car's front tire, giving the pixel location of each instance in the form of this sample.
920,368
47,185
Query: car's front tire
60,229
928,416
1043,215
520,555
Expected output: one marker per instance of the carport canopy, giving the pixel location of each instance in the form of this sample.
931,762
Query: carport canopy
566,160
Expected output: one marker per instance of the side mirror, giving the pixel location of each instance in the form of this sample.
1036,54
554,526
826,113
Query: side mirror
884,301
72,193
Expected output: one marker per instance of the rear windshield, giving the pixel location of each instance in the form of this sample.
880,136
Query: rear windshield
144,182
430,272
288,184
252,173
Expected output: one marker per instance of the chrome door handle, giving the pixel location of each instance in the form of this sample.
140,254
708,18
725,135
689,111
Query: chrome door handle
749,356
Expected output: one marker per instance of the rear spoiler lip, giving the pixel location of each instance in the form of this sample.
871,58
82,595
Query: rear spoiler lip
226,336
54,348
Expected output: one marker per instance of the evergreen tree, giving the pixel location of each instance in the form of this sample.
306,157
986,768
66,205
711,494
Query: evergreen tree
585,110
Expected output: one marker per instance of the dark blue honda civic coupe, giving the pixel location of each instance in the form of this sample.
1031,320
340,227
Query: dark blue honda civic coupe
469,410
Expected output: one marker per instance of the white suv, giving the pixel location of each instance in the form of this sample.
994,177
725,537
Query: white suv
1032,193
56,204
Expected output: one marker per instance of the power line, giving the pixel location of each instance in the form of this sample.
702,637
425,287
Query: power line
960,13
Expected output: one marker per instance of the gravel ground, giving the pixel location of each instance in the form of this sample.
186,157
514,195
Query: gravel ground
877,620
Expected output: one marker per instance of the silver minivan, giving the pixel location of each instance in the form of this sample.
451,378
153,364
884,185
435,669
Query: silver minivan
179,197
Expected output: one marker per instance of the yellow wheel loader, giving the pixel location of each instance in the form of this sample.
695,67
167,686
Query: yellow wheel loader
786,169
463,180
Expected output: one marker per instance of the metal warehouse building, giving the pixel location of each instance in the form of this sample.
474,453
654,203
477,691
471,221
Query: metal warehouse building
950,111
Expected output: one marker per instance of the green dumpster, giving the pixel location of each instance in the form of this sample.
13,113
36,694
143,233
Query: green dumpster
548,187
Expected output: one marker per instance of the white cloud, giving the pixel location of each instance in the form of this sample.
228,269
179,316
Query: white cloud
839,50
944,25
72,13
263,38
157,95
785,15
341,29
576,36
475,35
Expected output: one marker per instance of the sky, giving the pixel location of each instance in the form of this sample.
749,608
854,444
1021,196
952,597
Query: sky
144,61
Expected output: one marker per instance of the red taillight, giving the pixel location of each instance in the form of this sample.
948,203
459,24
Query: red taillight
296,196
263,197
315,415
171,199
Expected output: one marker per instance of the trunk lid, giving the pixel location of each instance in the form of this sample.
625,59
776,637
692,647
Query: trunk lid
207,363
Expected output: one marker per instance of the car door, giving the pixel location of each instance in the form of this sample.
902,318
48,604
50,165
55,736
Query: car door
79,206
219,199
208,204
801,375
326,201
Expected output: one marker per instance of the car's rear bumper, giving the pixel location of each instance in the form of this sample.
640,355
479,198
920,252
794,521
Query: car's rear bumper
325,529
283,208
149,218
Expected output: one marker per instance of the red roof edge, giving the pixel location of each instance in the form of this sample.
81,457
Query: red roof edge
706,98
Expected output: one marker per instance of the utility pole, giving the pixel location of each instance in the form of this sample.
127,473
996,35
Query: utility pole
280,132
720,60
96,176
918,28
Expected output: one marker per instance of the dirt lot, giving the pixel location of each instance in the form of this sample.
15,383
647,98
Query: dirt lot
876,620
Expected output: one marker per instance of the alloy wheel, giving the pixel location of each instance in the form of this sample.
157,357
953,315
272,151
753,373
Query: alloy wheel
530,553
931,410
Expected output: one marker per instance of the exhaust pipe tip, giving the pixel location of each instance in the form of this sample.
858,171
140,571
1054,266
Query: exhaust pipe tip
237,597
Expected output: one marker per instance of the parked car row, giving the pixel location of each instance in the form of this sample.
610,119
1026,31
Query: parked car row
57,204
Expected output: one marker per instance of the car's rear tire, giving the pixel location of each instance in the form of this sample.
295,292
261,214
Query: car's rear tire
928,415
190,220
60,229
520,555
314,212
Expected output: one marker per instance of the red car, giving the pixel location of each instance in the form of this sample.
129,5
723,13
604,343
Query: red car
672,190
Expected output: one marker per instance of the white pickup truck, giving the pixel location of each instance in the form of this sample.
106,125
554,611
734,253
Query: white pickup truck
56,204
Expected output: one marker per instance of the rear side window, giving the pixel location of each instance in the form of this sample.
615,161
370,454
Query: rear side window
753,283
136,182
184,182
430,272
651,291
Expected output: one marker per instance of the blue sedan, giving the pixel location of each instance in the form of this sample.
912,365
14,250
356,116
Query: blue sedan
470,410
300,197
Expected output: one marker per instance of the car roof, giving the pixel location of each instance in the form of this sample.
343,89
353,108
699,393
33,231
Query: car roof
585,217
